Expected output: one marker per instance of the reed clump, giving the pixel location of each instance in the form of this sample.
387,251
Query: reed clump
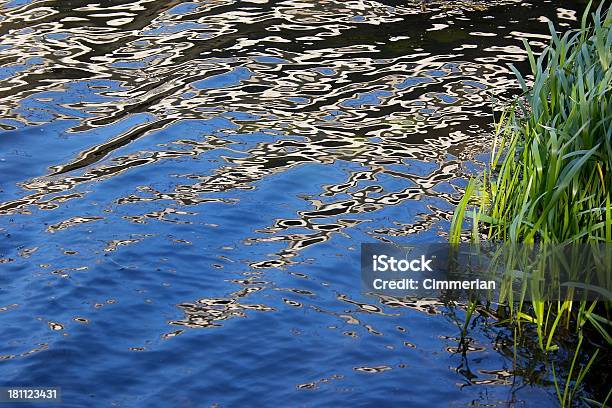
549,182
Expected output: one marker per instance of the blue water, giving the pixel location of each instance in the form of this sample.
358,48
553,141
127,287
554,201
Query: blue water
185,187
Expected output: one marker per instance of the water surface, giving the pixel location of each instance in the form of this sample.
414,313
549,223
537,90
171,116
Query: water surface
185,186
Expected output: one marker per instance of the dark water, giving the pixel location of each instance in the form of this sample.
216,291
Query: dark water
184,188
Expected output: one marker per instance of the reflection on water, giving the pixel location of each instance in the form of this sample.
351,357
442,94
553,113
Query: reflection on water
185,186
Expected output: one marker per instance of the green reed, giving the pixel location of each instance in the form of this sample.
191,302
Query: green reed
550,177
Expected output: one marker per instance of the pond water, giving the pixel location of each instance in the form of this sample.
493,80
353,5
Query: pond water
185,187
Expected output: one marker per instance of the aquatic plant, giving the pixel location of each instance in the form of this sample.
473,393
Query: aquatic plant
549,179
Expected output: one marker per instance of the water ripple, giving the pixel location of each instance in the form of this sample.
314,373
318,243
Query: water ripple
172,166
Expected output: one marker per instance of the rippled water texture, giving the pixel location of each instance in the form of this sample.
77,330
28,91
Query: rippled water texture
185,185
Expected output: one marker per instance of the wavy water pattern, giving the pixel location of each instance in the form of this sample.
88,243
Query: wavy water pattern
185,186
